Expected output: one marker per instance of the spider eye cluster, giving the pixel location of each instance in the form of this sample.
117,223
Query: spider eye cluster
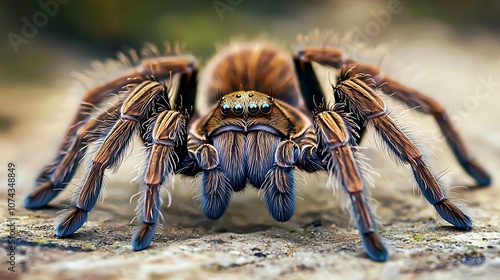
253,108
238,102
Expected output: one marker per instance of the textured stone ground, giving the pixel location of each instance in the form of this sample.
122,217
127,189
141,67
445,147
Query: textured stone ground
246,243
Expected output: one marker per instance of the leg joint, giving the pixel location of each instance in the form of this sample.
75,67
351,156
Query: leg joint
207,157
287,154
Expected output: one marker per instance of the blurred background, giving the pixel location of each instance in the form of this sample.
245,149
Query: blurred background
449,51
70,31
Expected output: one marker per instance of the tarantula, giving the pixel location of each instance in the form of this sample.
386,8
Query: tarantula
265,127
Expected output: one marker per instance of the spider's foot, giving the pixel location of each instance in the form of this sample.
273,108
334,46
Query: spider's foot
72,222
41,196
143,236
453,214
215,193
374,248
478,173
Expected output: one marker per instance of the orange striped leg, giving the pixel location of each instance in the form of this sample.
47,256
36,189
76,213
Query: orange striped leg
333,57
367,103
335,139
59,178
109,153
168,133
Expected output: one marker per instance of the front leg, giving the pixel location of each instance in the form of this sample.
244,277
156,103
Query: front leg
109,154
301,152
167,135
335,141
367,104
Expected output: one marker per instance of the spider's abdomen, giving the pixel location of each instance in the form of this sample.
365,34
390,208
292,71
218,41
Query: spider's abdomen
261,67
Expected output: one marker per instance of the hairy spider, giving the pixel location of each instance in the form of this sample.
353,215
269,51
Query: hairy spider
260,132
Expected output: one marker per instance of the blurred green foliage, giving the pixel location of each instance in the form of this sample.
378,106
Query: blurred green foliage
110,24
100,28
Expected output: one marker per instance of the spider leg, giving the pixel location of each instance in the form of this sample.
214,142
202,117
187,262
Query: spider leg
309,161
92,99
430,106
335,142
64,171
310,87
168,133
164,138
109,154
334,58
57,174
369,106
215,186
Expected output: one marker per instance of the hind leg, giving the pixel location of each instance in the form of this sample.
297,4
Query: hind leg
57,176
331,57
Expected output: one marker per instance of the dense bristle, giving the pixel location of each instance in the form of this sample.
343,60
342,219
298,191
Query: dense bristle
453,215
91,187
143,236
41,196
73,220
215,193
374,247
279,194
189,166
261,147
231,149
313,161
427,183
47,187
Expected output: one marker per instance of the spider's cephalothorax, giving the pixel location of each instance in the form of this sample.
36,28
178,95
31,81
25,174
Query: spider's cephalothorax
265,128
